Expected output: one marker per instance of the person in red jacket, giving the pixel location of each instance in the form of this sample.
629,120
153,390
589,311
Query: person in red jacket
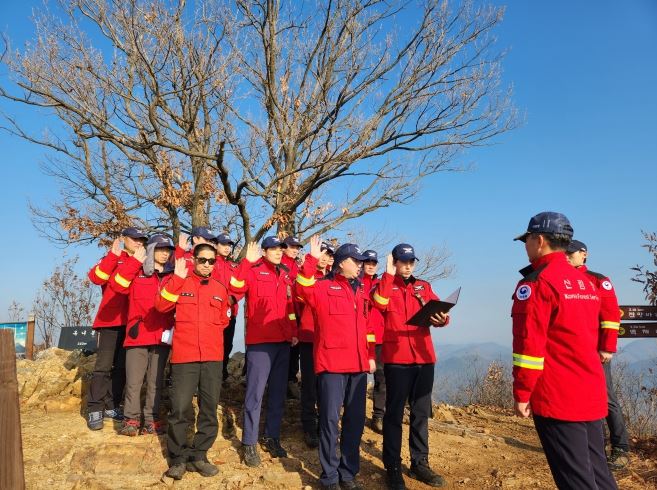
141,277
289,260
108,378
375,320
202,311
306,335
557,374
186,243
609,325
270,328
409,360
343,355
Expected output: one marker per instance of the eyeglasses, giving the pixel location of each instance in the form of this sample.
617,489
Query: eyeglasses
204,260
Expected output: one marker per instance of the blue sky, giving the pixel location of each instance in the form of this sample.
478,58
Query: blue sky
584,76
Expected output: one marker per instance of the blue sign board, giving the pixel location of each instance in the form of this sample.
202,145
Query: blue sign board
20,335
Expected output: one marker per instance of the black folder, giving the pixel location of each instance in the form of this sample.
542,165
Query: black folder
421,318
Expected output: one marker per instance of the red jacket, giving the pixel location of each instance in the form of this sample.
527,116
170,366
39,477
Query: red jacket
113,308
202,314
306,330
556,365
270,313
402,343
343,342
145,324
375,317
609,311
292,266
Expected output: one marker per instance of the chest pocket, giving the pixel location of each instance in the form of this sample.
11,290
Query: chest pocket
219,310
396,303
144,288
339,303
266,285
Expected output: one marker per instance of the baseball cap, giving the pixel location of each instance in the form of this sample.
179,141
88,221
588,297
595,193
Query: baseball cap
347,250
133,232
271,242
292,241
576,246
203,232
371,256
160,241
547,222
224,239
326,246
404,252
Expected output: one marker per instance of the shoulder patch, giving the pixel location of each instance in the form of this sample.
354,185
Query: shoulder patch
607,285
523,292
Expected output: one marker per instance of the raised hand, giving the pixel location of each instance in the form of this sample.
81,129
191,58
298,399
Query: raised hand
140,254
315,246
253,252
182,240
180,269
116,247
390,265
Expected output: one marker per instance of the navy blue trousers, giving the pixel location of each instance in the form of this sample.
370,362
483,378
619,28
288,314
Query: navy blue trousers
266,365
575,452
337,390
308,388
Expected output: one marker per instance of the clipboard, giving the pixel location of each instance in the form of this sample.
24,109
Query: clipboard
421,318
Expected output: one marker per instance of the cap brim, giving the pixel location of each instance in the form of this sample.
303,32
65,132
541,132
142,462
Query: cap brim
406,258
360,257
522,237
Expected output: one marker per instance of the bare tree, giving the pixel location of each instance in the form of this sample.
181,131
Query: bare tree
16,311
252,113
65,299
644,275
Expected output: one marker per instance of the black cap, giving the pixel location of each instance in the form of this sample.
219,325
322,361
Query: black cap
133,232
292,241
160,241
404,252
347,250
271,242
371,256
203,232
549,223
224,239
576,246
327,247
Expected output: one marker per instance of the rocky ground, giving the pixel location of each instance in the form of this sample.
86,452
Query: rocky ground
473,447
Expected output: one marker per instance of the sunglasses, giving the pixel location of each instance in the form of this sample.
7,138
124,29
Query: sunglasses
204,260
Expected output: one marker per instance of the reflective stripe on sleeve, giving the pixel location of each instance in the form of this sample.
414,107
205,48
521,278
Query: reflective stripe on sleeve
168,296
610,325
103,275
371,338
121,281
380,299
236,283
305,281
528,362
292,316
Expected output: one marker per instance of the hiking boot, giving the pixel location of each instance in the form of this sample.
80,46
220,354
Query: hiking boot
114,413
155,427
311,439
351,485
273,447
202,467
618,459
130,427
250,455
394,479
422,472
377,425
176,471
331,486
95,420
293,391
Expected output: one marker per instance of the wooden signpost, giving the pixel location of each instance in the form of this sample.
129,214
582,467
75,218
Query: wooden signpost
11,449
638,321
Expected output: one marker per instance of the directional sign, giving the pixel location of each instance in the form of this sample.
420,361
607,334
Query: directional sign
631,330
77,338
638,312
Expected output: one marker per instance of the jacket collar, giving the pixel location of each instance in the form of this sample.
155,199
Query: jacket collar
549,258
